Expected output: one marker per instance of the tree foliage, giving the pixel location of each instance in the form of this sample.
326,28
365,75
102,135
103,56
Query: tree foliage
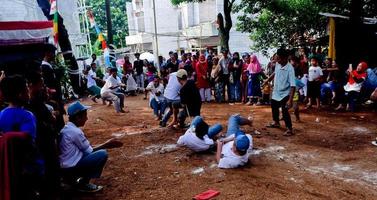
275,23
118,17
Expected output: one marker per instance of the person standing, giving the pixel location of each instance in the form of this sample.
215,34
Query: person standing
283,92
235,68
314,82
224,64
254,88
203,79
138,68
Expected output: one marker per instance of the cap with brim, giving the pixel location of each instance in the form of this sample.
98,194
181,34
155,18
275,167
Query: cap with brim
181,73
76,107
242,143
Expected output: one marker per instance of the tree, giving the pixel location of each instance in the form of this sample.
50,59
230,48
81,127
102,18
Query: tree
224,22
291,23
118,18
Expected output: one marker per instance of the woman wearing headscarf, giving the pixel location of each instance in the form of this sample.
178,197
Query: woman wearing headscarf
202,79
254,71
353,86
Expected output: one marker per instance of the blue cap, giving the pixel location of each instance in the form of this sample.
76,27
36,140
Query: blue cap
75,108
242,142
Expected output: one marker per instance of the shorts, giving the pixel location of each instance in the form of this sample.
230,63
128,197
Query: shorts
314,89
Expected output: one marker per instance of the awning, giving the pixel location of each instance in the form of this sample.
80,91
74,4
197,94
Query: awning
24,32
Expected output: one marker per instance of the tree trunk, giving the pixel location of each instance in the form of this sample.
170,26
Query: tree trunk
224,29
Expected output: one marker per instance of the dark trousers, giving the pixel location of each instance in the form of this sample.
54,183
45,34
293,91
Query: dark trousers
275,105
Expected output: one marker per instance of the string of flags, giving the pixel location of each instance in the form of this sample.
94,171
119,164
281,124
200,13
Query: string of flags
101,38
54,12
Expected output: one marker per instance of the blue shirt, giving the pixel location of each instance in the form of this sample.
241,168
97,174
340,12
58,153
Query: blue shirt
284,80
18,119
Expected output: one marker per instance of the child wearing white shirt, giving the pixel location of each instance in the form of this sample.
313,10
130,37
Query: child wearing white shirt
156,97
199,137
234,151
314,83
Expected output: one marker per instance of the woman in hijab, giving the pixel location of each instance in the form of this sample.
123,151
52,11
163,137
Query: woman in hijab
254,71
203,79
353,86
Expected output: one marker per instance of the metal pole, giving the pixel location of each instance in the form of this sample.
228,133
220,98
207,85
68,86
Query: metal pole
156,53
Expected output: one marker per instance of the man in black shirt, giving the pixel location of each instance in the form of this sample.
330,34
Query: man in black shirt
138,68
190,98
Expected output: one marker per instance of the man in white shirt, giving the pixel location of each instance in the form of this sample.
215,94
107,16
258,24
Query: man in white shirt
77,156
235,149
172,98
110,91
199,137
156,97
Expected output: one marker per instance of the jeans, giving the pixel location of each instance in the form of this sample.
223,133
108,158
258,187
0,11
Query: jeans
212,131
140,81
158,107
205,94
234,123
275,105
171,104
234,91
116,97
91,165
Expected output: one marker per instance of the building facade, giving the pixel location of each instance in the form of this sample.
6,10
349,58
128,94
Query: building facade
185,27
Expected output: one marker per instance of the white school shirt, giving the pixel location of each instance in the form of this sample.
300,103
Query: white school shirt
110,82
173,87
315,72
230,160
191,141
154,90
91,82
73,145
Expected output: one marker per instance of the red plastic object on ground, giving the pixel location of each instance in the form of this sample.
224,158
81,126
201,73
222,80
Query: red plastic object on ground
207,195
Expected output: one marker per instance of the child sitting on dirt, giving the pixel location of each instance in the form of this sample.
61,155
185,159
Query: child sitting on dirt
199,137
235,149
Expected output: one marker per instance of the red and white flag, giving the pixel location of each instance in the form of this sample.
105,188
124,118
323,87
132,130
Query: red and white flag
20,32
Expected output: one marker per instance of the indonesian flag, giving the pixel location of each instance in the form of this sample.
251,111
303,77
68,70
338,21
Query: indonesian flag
54,11
24,32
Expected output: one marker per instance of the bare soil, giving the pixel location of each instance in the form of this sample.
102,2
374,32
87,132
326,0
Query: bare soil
329,158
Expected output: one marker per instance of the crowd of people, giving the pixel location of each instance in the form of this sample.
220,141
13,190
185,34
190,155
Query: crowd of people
177,90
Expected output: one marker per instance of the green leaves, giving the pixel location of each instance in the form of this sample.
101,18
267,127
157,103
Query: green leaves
118,17
274,23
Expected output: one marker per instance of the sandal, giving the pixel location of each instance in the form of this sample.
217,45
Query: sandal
89,188
374,142
288,133
273,125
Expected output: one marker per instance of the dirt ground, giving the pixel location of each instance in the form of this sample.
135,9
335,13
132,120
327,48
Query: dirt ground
329,158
